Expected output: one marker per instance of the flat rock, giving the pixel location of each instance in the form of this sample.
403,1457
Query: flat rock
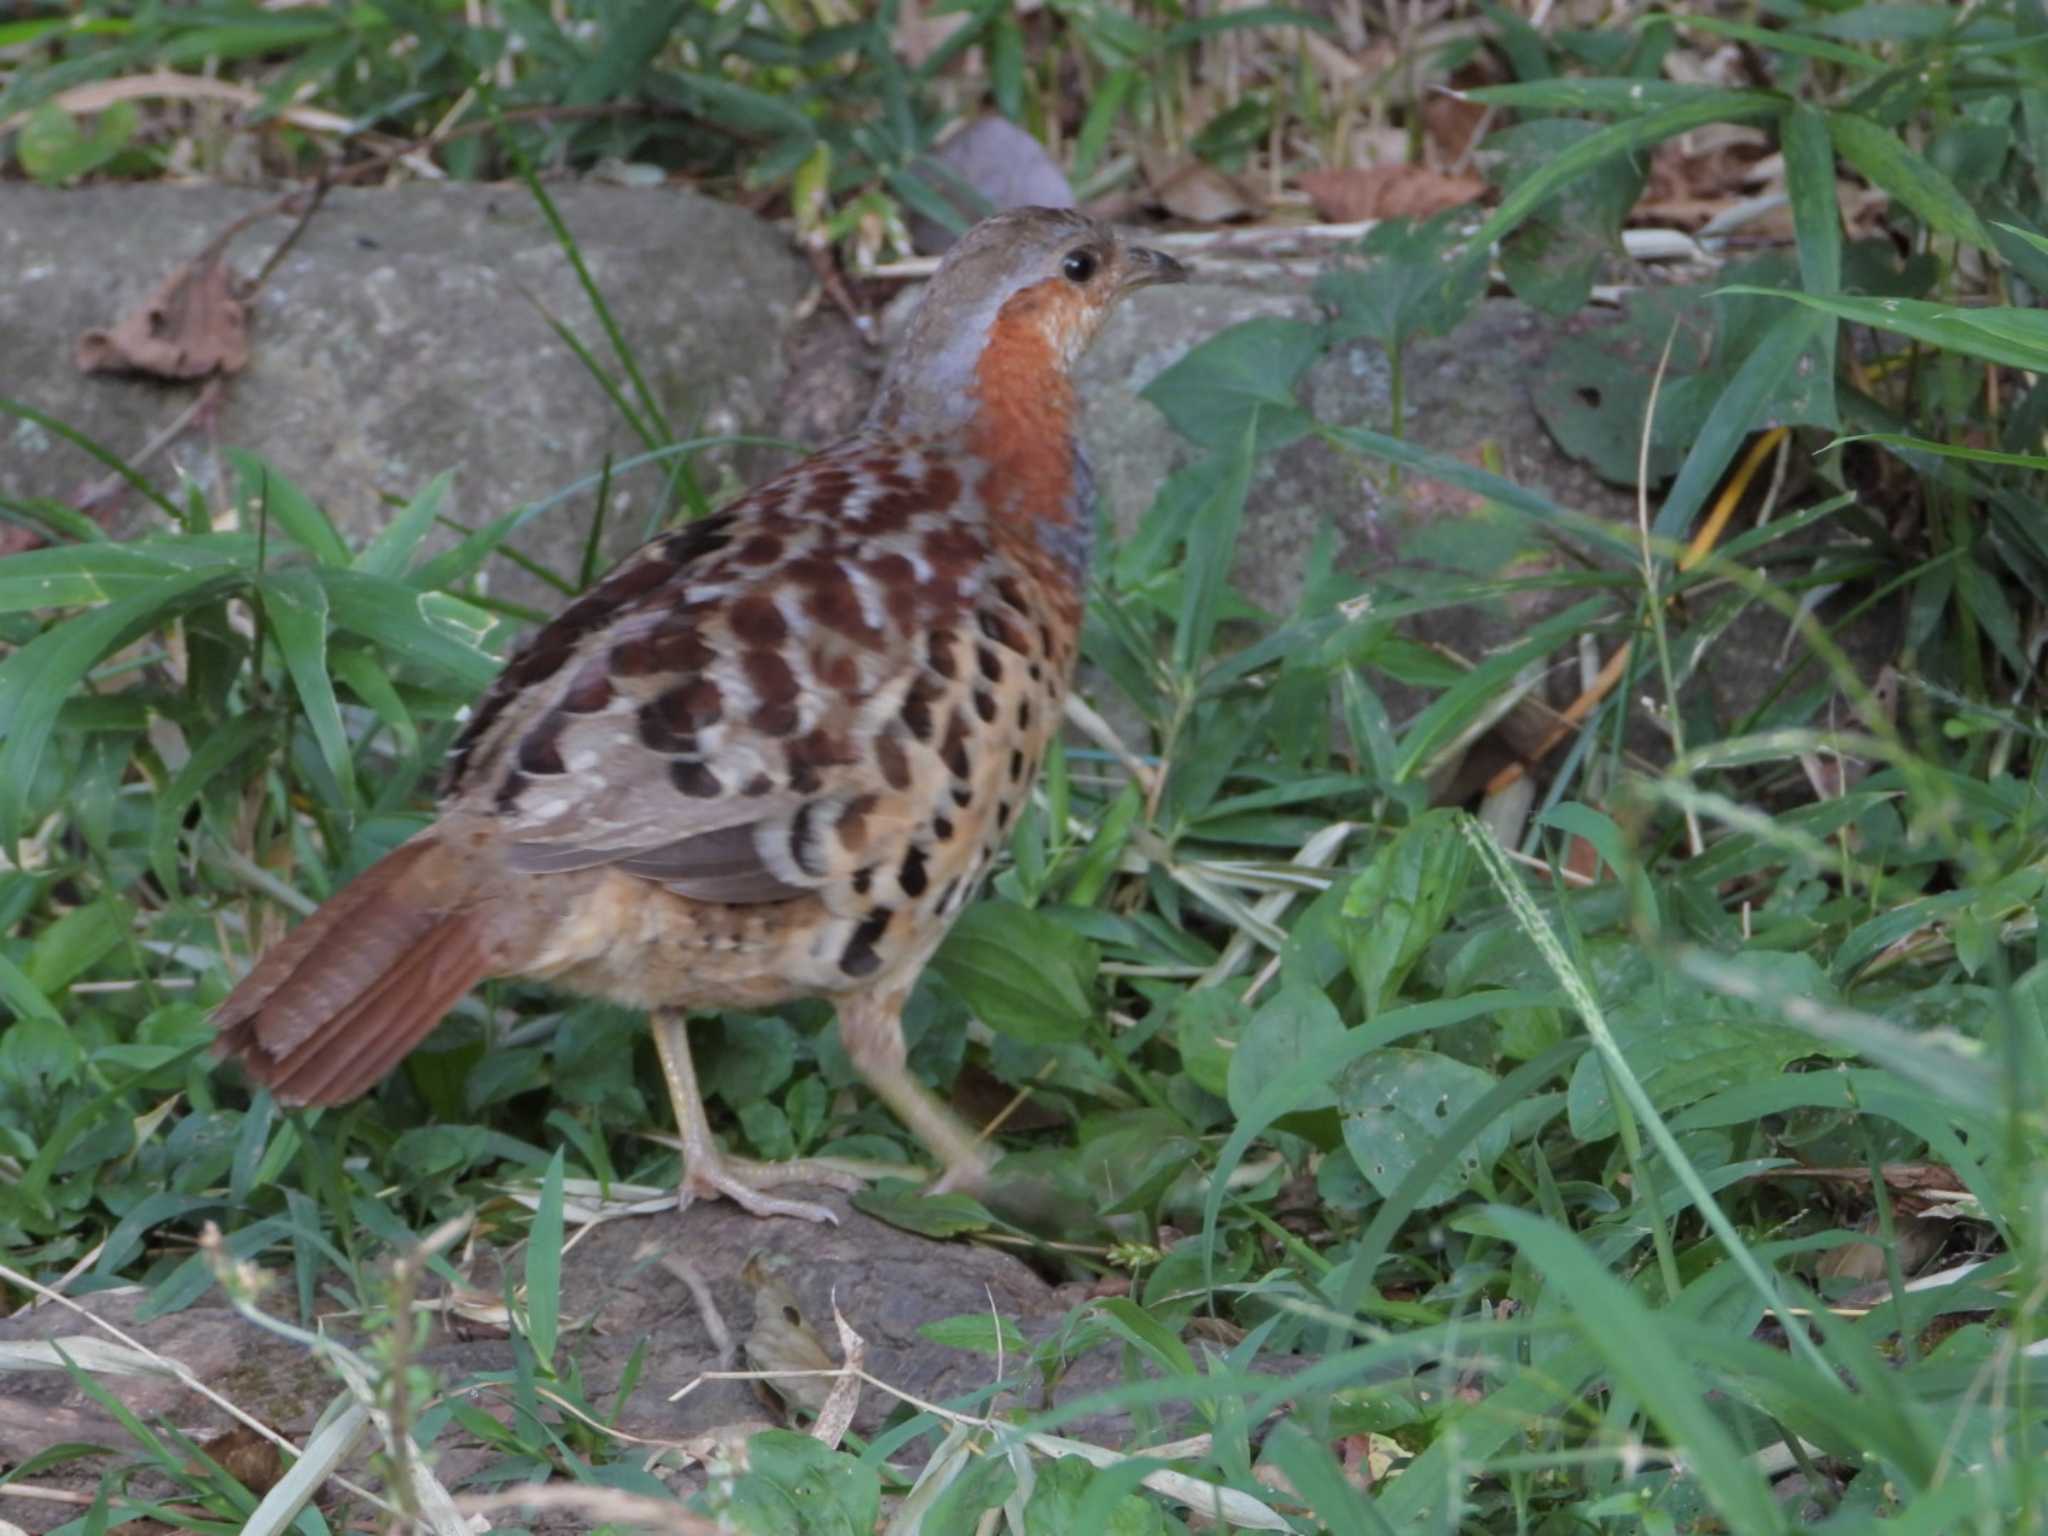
620,1297
407,332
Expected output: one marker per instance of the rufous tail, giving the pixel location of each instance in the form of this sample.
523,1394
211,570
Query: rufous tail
332,1008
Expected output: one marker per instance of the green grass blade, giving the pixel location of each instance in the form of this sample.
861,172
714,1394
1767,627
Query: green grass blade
391,552
1624,1077
38,678
1941,326
97,450
296,611
267,495
544,1266
1882,156
1639,1356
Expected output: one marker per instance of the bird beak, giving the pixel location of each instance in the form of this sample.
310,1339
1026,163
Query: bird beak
1144,266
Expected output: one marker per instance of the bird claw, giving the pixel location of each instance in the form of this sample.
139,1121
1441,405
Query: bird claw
969,1176
719,1180
743,1180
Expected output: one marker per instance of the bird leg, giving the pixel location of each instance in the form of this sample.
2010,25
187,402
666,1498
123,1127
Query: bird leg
709,1171
871,1026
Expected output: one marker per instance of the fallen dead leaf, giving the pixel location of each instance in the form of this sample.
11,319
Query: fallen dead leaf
781,1340
1369,1459
253,1461
836,1416
1920,1238
1453,124
1695,176
1201,194
194,325
1582,859
1387,192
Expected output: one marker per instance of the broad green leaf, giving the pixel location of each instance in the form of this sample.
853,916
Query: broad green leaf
76,942
26,1001
363,671
1816,215
1738,410
430,629
54,148
982,1332
1553,259
1023,974
84,575
1402,900
38,678
1149,1335
1410,286
1948,450
1653,127
1209,1028
1057,1496
1210,549
1246,375
1783,40
1888,23
749,1057
1397,1104
1281,1043
906,1205
794,1485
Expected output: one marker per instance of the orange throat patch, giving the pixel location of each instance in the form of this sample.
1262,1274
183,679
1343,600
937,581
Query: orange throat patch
1023,427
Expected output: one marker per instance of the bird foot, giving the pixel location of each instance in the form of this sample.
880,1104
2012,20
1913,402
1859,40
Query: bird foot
965,1176
743,1180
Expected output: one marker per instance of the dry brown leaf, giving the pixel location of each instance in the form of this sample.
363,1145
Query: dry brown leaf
781,1340
919,35
1453,124
836,1417
253,1460
1690,181
1919,1239
1582,859
1199,193
194,325
1387,192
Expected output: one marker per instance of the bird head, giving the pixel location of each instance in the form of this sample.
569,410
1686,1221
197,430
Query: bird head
1012,306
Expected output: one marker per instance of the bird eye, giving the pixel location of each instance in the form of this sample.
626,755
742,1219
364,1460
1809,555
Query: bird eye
1079,266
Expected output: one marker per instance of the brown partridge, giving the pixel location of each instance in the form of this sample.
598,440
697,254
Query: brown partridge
772,753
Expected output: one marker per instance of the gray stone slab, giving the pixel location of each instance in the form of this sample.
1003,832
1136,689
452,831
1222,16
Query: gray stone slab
403,335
